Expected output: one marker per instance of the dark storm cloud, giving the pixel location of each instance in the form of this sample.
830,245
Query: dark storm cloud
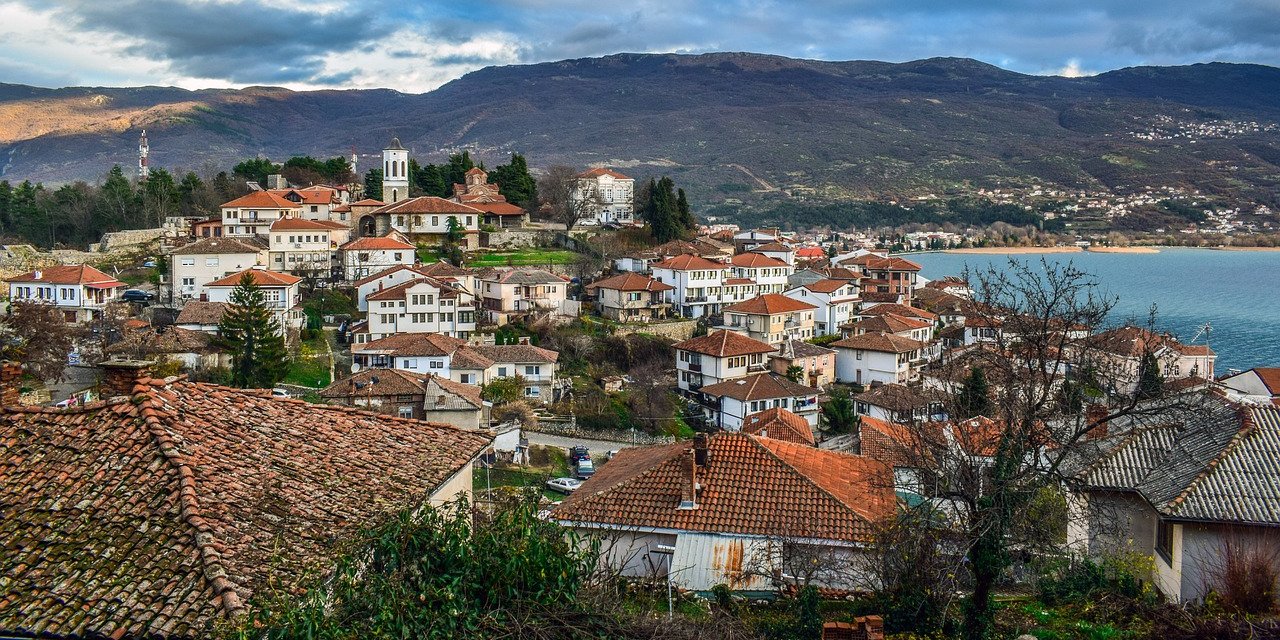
239,42
243,43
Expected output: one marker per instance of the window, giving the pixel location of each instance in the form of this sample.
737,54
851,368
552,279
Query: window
858,354
188,282
411,363
405,412
1164,540
435,221
502,372
532,370
467,378
210,262
437,364
188,262
398,257
532,392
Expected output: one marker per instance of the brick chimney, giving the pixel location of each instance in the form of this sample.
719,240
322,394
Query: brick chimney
10,383
701,450
688,480
863,628
1093,413
120,376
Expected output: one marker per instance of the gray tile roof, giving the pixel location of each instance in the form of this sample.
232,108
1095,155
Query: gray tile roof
1218,462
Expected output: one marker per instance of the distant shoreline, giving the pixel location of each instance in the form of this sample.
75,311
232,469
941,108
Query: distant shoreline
1143,249
1015,250
1244,248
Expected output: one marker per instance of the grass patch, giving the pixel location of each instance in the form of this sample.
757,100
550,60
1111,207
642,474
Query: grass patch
521,257
310,367
512,476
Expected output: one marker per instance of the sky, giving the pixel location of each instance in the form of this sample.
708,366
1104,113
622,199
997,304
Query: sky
415,46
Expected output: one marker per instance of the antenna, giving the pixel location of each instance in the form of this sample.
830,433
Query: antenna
1203,331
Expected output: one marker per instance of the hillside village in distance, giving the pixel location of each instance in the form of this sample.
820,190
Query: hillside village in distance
741,413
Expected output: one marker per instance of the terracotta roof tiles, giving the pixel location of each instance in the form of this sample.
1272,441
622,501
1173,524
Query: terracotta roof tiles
769,304
260,277
160,514
750,485
724,343
779,424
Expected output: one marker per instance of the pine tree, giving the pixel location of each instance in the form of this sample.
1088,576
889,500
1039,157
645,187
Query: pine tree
456,171
430,179
252,335
974,398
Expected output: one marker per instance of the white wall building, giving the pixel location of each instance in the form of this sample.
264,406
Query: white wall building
195,265
602,196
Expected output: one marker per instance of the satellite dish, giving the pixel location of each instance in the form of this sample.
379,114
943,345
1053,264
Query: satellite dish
355,367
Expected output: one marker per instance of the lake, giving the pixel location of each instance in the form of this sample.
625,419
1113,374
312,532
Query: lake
1237,292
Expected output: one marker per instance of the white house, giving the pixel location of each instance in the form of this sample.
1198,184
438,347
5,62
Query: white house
699,284
836,301
718,356
195,265
421,305
519,291
468,364
1259,384
279,289
769,274
363,257
726,404
603,196
299,245
80,292
254,213
698,517
771,318
875,357
425,219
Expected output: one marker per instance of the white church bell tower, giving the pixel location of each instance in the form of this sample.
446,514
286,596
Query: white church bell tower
395,172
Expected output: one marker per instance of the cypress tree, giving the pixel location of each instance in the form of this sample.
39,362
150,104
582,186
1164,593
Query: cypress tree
373,184
974,398
1150,380
252,335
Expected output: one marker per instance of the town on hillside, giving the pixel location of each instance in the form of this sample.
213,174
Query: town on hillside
755,432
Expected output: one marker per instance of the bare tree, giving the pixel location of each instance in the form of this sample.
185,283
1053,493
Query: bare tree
37,335
556,189
990,480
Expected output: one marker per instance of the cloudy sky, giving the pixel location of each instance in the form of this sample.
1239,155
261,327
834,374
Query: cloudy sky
415,46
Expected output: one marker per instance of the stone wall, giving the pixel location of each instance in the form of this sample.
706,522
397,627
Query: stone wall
675,330
517,238
129,238
570,429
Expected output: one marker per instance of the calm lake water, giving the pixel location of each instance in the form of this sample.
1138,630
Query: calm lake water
1238,292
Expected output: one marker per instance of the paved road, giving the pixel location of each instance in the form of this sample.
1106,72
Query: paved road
597,447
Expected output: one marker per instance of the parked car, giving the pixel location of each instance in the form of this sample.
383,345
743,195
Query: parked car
281,393
137,295
564,485
150,263
585,468
577,453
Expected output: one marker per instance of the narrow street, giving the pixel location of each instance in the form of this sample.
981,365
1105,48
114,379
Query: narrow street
596,447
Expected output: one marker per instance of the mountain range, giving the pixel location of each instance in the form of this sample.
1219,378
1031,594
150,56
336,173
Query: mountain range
739,126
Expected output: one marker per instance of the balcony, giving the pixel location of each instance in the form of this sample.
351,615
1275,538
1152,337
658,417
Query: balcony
695,367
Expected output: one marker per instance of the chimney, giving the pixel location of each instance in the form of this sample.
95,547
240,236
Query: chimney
701,451
120,376
688,481
1093,413
10,383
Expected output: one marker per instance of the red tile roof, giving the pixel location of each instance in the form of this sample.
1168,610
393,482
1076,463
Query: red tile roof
516,353
688,262
829,286
397,382
769,304
428,204
899,310
260,277
723,344
67,274
162,514
875,262
203,313
1270,377
411,344
779,424
498,208
882,342
601,171
810,252
750,486
261,200
756,260
887,323
774,247
376,244
368,202
398,292
630,282
761,386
